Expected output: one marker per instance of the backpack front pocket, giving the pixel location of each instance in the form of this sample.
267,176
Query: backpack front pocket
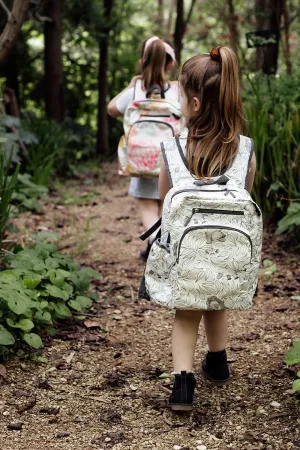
143,146
212,259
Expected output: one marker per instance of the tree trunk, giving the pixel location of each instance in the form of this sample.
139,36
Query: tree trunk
12,28
233,29
160,15
181,26
102,131
11,73
172,4
286,44
179,29
54,101
268,16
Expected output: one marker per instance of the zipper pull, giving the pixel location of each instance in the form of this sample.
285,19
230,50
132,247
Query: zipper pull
227,192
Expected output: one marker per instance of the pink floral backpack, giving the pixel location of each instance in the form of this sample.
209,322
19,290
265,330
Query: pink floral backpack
147,123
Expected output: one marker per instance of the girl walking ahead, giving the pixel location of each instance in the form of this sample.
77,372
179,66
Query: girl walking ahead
157,60
207,258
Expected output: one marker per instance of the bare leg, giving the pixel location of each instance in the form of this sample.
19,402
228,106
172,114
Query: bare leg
184,339
215,323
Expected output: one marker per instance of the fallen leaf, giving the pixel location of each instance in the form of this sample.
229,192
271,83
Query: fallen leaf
27,406
291,325
62,435
19,393
100,399
237,348
275,404
250,436
92,338
52,411
2,371
53,420
62,365
166,419
92,323
70,357
133,387
249,336
43,384
164,376
15,426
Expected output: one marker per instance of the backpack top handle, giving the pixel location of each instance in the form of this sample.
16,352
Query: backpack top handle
154,89
222,180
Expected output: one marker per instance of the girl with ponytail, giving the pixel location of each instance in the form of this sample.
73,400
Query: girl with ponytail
157,60
211,145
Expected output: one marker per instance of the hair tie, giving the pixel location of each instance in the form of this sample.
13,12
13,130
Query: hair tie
168,47
215,53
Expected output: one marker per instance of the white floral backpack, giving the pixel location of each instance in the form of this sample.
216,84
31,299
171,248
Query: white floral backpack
147,123
207,256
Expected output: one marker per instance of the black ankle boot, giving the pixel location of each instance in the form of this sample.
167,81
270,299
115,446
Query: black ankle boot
182,395
145,253
215,368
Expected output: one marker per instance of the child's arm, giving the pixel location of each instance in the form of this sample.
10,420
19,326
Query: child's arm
251,175
163,183
112,109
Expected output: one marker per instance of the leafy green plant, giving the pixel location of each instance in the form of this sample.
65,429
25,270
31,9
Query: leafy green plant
268,269
27,193
292,358
7,186
273,113
39,287
83,241
7,183
290,223
42,154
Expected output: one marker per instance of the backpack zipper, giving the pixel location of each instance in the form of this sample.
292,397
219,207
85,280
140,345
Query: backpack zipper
221,227
152,100
218,211
156,115
155,121
198,190
213,211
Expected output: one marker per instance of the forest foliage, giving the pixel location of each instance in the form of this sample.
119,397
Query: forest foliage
61,62
71,57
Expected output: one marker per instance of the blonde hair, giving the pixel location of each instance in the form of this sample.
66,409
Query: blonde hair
154,63
213,136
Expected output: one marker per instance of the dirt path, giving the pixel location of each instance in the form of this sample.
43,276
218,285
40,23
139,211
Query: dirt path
100,388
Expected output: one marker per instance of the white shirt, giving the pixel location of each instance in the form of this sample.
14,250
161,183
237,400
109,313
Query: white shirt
126,98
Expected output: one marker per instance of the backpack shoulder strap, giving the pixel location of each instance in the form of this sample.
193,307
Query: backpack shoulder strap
138,91
239,171
174,90
173,152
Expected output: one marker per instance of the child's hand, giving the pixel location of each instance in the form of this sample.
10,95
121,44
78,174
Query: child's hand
133,80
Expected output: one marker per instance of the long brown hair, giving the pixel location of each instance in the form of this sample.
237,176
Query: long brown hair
213,136
154,63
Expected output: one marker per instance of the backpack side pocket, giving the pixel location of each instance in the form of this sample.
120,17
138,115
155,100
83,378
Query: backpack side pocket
159,265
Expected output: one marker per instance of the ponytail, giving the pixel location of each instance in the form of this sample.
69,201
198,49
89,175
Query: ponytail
230,98
154,62
213,136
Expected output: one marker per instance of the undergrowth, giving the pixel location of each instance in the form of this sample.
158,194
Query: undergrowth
38,287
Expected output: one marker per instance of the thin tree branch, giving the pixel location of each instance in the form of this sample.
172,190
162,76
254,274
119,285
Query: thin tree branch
40,18
292,19
12,27
189,14
6,9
